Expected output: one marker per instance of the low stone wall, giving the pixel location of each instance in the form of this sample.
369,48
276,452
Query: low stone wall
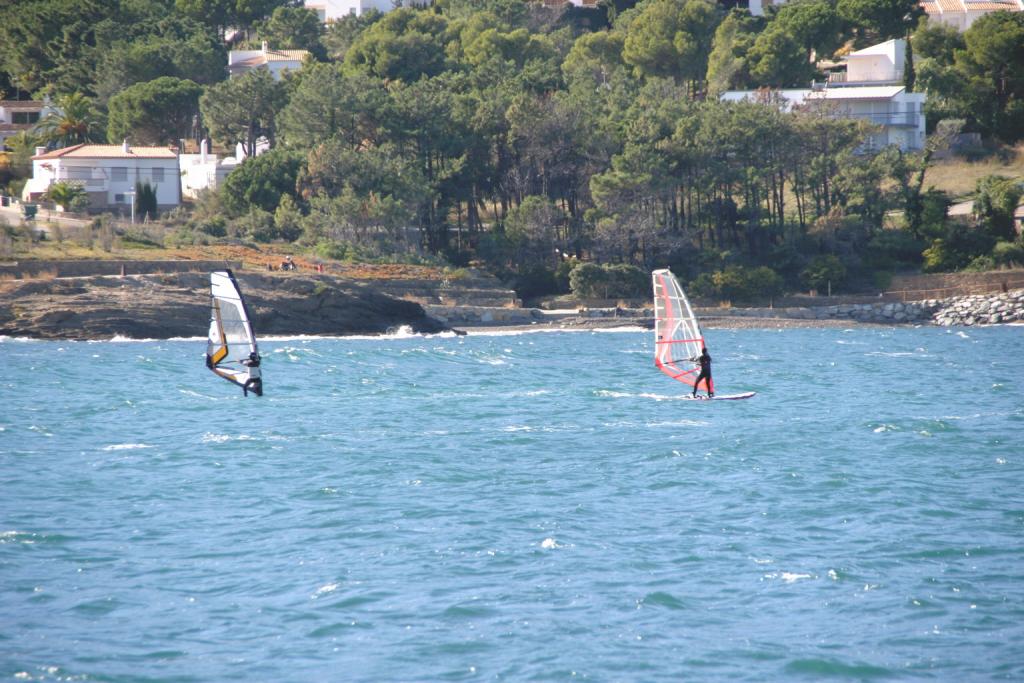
990,309
483,315
26,270
945,285
881,312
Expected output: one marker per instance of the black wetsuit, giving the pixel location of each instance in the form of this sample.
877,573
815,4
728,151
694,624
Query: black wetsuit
705,374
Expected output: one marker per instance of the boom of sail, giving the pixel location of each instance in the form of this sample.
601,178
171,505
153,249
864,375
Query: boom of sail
677,337
231,350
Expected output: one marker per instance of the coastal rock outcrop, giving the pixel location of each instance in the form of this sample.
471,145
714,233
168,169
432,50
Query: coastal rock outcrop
177,305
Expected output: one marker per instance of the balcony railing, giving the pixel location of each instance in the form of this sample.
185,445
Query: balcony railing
843,78
89,184
902,118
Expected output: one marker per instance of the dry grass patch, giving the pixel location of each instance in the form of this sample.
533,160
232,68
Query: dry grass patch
958,177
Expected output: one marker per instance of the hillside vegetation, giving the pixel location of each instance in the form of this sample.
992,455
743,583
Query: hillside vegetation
531,139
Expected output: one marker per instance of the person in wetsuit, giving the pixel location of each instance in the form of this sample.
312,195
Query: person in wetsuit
705,373
255,383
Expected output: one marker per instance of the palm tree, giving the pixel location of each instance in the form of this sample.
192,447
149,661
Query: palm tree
62,194
73,121
22,146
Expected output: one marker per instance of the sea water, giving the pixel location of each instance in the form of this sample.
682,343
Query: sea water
521,507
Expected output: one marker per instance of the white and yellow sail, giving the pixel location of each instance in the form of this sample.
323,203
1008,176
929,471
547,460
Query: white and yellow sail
231,350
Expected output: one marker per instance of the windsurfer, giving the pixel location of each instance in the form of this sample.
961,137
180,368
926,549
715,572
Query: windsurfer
255,382
705,373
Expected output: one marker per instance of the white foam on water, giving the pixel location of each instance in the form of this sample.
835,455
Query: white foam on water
677,423
189,392
497,332
209,437
788,577
324,590
607,393
125,446
120,338
549,544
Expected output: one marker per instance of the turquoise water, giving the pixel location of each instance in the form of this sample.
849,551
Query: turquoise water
533,507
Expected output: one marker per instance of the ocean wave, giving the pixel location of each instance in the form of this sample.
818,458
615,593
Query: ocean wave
125,446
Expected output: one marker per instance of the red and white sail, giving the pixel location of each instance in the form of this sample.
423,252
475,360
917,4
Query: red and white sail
678,340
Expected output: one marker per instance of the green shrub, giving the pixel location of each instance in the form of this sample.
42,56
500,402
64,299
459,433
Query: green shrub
330,249
704,287
626,281
738,283
215,227
562,274
824,271
1008,254
893,248
257,225
981,264
588,281
957,248
615,281
535,281
139,240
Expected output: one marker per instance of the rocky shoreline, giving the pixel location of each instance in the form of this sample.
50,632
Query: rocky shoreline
161,306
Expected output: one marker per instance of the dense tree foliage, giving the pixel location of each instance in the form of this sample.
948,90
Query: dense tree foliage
528,137
243,109
160,111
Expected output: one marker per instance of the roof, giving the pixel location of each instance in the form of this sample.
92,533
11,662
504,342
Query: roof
800,95
261,58
30,105
84,151
943,6
886,49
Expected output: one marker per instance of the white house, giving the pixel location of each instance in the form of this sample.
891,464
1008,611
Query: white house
882,63
17,116
871,89
108,173
332,10
203,171
899,114
960,14
275,61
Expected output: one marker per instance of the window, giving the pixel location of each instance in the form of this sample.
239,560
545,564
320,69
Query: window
24,117
119,199
119,173
158,175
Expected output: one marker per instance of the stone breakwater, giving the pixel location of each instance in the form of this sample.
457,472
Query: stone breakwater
984,309
988,309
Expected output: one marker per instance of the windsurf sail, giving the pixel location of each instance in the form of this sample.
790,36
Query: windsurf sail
231,350
677,337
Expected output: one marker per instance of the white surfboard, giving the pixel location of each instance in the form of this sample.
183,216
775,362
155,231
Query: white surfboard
723,397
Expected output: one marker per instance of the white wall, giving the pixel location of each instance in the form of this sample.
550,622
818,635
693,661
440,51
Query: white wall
336,9
203,171
109,180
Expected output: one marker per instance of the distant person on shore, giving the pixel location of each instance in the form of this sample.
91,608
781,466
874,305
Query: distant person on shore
705,373
287,264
